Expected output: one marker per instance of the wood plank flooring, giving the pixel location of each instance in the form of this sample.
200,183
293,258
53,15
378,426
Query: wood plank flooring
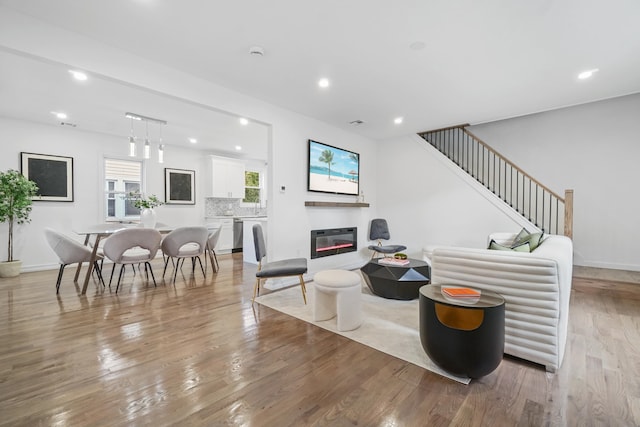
197,353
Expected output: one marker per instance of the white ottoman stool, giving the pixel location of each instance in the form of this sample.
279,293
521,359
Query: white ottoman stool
337,293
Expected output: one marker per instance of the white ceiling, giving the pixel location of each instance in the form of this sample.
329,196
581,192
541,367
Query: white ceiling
33,89
480,61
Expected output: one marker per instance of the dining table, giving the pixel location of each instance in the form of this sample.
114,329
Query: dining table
101,231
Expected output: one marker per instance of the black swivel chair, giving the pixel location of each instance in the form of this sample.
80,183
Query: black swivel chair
379,230
283,268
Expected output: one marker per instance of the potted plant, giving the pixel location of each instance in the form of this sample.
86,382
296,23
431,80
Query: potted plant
146,206
16,197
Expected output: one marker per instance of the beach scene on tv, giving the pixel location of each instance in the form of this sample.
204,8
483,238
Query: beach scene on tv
332,169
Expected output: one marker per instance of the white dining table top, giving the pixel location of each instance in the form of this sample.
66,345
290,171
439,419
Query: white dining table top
112,227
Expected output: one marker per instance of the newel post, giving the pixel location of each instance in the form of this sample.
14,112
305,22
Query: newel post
568,213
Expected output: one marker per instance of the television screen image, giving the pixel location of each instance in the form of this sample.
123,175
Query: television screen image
333,170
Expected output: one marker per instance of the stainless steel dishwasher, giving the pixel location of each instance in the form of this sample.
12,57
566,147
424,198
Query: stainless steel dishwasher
237,235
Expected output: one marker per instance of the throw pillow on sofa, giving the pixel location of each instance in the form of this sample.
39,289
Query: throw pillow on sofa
522,247
534,239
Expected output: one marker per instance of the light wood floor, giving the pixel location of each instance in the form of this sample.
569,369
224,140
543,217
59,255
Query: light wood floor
198,353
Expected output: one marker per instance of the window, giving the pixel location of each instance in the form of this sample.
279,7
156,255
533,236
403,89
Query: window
251,187
111,198
121,177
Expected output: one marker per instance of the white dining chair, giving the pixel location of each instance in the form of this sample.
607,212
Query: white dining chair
132,246
69,251
185,242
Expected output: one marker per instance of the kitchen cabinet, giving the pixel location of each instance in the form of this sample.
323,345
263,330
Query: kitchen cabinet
225,240
226,178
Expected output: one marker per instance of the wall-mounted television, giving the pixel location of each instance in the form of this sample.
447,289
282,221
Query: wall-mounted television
333,170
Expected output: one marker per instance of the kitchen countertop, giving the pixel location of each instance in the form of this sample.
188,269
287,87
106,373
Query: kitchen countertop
237,216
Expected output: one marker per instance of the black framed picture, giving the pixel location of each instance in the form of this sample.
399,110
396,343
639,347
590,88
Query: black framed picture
52,174
179,186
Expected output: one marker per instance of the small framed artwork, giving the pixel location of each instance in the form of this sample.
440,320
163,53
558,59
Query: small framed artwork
52,174
179,186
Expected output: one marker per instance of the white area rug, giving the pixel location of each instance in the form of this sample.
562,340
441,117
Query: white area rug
390,326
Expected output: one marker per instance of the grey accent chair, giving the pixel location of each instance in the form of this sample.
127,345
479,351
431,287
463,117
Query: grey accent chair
185,242
69,251
210,250
132,246
379,230
283,268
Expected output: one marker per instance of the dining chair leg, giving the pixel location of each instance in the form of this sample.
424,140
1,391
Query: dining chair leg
146,264
62,266
202,268
215,257
166,263
120,277
98,269
112,270
303,288
176,268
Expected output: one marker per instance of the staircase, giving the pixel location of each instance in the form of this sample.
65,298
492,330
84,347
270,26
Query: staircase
537,203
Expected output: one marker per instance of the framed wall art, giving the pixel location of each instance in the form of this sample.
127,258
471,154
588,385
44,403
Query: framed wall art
179,187
52,174
333,170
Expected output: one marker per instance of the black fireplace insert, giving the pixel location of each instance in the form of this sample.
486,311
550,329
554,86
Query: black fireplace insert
333,241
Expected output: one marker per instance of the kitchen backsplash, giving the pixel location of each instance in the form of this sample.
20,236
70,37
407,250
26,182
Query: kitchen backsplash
215,206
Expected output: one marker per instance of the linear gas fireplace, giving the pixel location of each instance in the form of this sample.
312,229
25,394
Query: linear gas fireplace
333,241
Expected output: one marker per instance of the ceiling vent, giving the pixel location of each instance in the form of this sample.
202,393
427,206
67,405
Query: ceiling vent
356,123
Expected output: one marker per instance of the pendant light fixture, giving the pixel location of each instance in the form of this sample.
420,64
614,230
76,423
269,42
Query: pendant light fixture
147,142
147,146
132,141
160,148
161,153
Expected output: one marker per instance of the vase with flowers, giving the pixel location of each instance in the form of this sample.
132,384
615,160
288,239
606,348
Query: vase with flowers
147,205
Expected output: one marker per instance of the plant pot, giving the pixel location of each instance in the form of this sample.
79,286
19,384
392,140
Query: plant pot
10,268
148,218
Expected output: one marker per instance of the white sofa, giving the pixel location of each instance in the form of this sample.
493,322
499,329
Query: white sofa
536,287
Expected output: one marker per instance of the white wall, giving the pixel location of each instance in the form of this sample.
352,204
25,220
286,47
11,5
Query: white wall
88,151
593,149
290,221
428,201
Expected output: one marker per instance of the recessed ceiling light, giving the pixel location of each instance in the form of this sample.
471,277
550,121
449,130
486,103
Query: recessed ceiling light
238,148
61,116
398,120
193,140
244,121
323,83
586,74
256,51
78,75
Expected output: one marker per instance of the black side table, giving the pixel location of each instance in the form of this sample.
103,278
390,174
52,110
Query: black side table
460,336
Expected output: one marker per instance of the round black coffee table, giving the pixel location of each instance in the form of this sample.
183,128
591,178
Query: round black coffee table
396,281
462,336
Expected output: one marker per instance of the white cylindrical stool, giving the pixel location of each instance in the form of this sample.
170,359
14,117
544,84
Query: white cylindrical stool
337,293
